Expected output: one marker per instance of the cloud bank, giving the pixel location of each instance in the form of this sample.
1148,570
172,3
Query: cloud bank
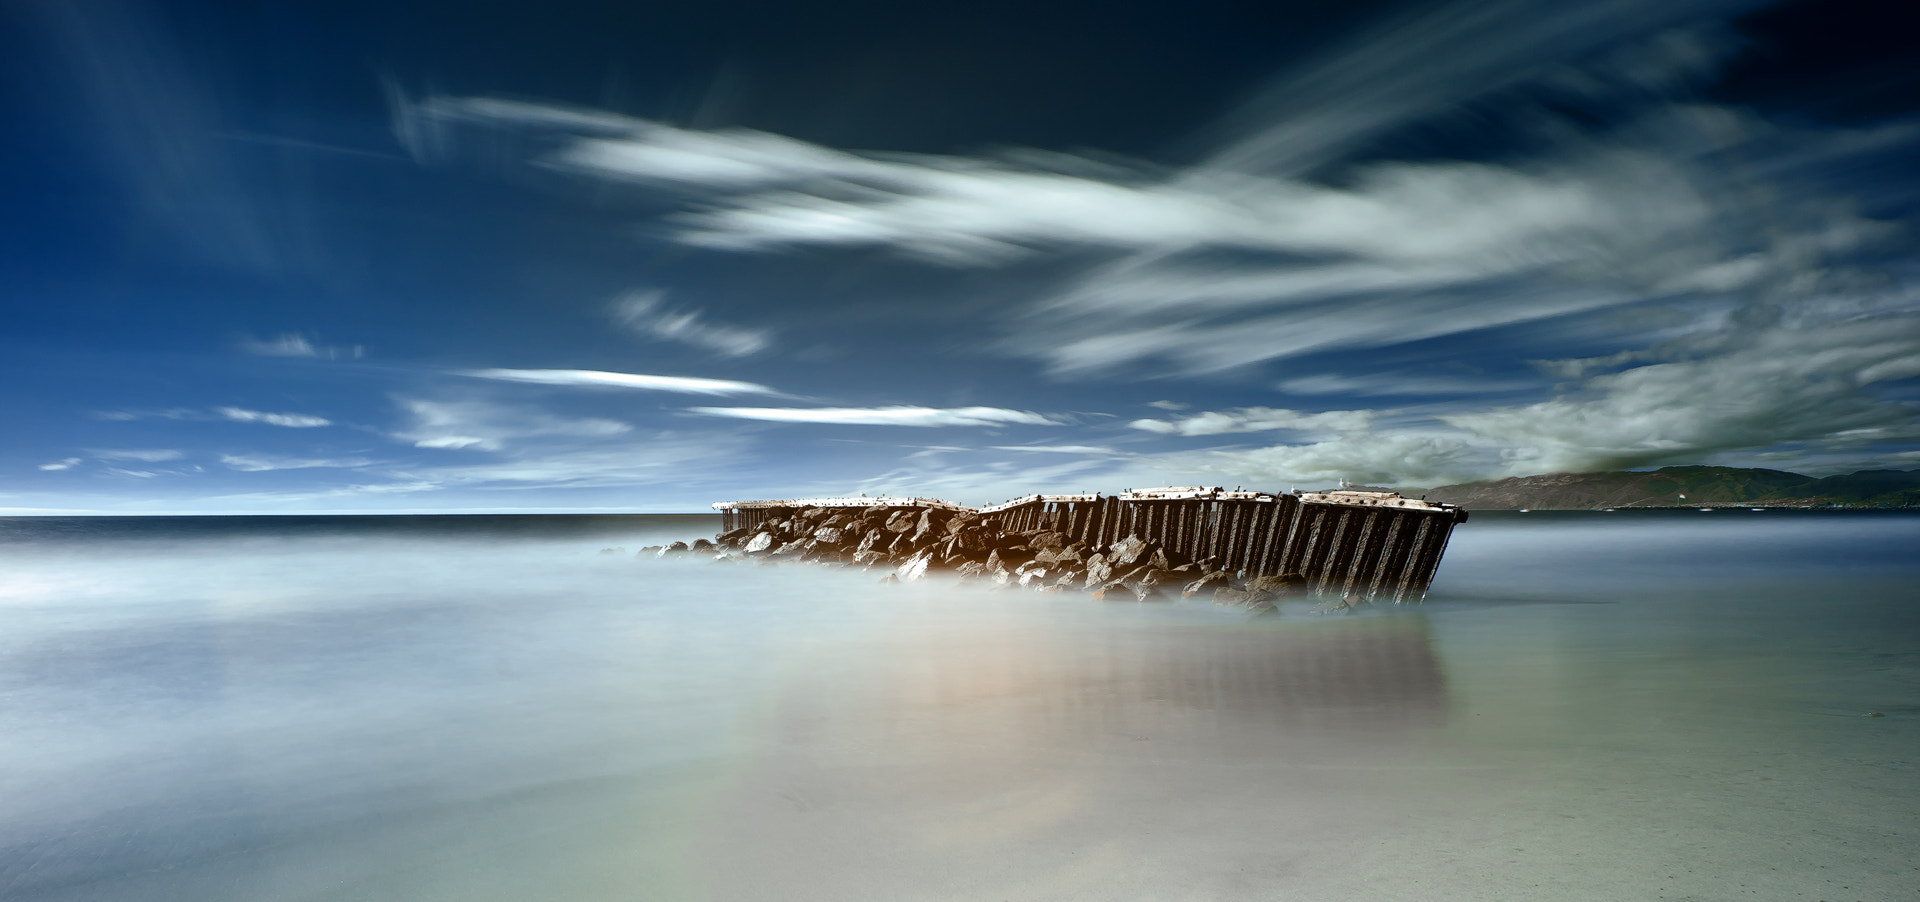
1720,297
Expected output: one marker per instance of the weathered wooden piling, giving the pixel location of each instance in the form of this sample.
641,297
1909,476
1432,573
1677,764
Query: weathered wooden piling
1368,544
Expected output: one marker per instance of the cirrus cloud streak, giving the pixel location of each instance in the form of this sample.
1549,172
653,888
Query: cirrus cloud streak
602,379
883,416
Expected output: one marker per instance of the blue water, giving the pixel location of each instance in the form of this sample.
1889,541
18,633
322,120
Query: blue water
1588,706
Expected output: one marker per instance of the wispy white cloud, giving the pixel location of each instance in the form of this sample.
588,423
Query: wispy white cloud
62,464
600,379
290,420
1392,459
1402,383
296,345
884,416
1261,252
1259,419
151,455
485,426
260,463
646,313
1057,449
177,413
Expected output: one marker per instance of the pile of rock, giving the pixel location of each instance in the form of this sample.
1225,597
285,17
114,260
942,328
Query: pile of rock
911,543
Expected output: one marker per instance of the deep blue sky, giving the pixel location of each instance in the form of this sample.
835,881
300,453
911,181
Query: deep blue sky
456,256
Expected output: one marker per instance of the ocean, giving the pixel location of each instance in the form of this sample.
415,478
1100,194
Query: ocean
1588,705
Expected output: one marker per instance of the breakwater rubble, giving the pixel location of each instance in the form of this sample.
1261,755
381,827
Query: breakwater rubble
1232,547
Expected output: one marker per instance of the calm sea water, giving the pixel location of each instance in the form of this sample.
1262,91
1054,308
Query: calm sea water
1589,706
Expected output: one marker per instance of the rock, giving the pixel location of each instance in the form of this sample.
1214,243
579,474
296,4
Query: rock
1158,577
702,546
889,578
960,520
1098,570
732,536
1147,591
830,536
972,568
1233,597
914,568
1283,584
674,548
620,550
868,558
1113,590
1046,540
902,521
1131,550
1031,577
931,523
969,542
1218,579
759,543
1015,555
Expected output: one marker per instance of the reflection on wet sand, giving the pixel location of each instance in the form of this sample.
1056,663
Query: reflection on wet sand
1016,757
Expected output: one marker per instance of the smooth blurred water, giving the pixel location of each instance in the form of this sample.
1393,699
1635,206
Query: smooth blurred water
1588,706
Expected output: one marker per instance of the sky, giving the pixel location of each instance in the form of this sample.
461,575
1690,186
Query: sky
400,257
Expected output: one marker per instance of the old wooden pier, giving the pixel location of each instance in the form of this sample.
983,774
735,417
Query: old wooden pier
1369,544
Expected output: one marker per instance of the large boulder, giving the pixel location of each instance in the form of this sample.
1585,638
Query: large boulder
1046,540
902,521
960,520
1218,579
1131,550
1113,590
914,568
829,536
1238,598
1098,570
759,543
932,524
1280,585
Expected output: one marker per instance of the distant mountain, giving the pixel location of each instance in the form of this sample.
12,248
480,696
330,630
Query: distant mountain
1685,487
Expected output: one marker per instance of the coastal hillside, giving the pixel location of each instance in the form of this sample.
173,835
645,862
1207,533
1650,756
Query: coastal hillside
1685,487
